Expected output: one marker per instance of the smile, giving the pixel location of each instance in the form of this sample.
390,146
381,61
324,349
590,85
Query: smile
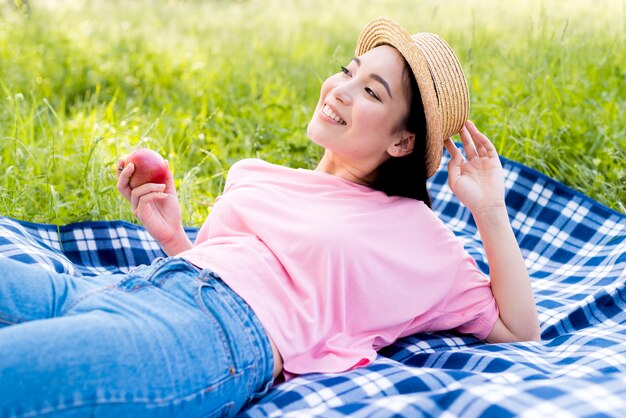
328,112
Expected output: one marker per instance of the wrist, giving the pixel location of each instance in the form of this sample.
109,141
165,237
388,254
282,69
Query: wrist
491,215
177,243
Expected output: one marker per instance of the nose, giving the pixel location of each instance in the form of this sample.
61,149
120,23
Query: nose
342,93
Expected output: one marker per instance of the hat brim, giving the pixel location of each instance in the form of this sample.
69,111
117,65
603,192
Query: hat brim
422,60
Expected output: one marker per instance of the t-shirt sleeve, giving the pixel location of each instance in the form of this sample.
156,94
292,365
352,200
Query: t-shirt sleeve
470,308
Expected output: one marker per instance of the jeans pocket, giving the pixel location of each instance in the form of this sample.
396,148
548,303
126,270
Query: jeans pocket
209,305
223,411
262,391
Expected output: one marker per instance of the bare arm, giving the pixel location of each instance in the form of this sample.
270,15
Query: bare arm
478,182
510,283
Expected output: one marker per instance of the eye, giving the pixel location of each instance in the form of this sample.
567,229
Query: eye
345,71
372,93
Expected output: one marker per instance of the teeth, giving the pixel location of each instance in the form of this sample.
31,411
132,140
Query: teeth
326,110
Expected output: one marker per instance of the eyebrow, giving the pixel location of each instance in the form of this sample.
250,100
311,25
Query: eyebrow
376,77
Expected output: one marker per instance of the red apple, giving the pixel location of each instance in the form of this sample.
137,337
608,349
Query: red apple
150,167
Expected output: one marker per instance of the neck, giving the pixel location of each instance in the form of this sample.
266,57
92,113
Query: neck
346,170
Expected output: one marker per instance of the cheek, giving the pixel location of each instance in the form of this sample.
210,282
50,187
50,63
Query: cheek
370,117
327,86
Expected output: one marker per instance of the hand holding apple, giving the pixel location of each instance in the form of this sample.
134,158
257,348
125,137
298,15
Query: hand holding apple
150,167
148,185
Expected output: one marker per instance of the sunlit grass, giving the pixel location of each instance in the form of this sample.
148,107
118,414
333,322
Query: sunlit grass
208,83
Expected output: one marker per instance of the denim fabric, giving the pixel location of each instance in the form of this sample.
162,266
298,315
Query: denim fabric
164,340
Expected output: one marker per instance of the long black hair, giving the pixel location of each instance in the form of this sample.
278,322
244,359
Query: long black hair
406,176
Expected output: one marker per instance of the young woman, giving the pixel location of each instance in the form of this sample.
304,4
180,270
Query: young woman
295,271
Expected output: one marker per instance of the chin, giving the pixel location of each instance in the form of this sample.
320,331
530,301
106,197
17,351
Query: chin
318,138
311,132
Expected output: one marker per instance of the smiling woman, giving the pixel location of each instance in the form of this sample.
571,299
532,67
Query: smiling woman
398,176
359,135
290,272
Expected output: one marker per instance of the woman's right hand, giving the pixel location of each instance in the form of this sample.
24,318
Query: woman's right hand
157,207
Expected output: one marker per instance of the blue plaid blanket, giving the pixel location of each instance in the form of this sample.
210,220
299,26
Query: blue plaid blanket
575,251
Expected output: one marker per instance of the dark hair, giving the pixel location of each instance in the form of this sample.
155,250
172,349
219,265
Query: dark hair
406,176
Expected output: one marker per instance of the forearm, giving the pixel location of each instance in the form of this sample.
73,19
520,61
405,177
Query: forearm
177,244
510,282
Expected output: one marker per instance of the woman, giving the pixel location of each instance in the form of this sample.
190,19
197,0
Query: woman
294,271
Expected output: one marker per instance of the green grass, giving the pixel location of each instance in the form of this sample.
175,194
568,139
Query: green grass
208,83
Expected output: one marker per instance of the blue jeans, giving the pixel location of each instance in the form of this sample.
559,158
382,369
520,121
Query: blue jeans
164,340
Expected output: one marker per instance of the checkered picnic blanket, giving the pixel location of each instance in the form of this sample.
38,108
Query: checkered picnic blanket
575,251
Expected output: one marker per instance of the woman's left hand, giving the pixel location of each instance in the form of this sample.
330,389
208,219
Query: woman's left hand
476,180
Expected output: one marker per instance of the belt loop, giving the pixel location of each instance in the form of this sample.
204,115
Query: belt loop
207,275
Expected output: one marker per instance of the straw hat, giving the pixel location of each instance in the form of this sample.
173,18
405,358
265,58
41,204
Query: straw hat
439,77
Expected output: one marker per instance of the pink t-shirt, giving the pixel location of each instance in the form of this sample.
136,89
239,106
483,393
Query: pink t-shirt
335,270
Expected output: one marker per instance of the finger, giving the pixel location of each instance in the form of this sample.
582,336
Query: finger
482,152
123,179
126,170
454,165
477,138
468,144
482,140
144,208
169,181
452,149
139,192
120,166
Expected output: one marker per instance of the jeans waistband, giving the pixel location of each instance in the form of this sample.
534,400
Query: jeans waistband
235,314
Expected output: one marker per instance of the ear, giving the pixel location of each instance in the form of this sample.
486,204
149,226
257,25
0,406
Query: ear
402,147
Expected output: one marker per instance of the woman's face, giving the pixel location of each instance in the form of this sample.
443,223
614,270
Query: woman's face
361,106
